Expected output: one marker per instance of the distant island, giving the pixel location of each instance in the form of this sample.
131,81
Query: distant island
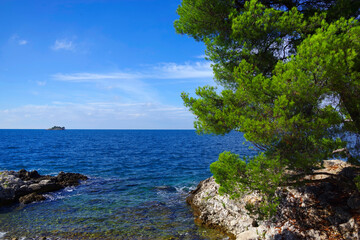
56,128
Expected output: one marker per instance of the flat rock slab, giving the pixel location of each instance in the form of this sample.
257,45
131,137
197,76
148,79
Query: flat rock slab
28,186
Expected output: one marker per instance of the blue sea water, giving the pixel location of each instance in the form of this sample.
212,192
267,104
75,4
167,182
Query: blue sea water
138,183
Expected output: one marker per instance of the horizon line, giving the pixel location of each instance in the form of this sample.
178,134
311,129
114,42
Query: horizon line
101,129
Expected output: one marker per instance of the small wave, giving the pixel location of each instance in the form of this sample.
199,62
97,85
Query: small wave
192,188
53,197
183,189
174,196
69,189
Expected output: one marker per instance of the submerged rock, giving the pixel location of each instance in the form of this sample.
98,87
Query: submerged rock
26,187
165,188
32,197
328,208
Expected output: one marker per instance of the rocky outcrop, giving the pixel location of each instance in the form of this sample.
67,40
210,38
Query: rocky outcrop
26,187
56,128
326,208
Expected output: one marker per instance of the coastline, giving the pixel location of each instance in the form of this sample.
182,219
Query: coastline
327,209
122,198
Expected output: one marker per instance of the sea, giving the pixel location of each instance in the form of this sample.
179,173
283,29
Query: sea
138,182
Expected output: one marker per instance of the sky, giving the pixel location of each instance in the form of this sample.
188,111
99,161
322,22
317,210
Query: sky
96,64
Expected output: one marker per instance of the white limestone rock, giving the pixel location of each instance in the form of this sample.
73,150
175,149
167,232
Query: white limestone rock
323,210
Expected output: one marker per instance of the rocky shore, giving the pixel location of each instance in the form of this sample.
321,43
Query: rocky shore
326,208
29,186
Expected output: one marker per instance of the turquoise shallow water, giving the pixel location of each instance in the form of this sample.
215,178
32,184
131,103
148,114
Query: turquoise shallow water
139,180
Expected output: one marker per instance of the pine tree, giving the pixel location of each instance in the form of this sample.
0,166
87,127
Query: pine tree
289,71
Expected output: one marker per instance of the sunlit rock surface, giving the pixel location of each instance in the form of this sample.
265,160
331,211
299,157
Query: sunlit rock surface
328,208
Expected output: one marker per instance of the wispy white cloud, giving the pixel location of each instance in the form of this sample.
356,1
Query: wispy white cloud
142,84
161,71
22,42
86,77
63,44
41,83
184,71
16,39
137,103
201,56
130,84
113,115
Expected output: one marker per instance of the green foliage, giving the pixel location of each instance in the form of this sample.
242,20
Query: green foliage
357,182
289,71
240,176
237,176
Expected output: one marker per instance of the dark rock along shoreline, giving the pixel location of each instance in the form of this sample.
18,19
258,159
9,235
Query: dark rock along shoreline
28,186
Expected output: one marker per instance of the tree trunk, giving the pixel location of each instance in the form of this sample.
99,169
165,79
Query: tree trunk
352,106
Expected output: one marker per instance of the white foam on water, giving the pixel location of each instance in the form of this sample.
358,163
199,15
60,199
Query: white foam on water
173,198
183,189
2,235
53,197
69,189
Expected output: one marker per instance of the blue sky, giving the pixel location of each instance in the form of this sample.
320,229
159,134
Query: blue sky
96,64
